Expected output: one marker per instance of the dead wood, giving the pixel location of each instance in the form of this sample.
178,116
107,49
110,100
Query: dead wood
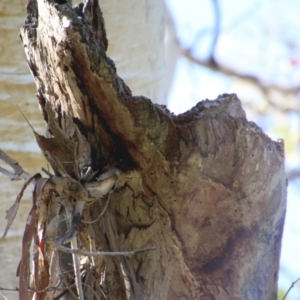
206,188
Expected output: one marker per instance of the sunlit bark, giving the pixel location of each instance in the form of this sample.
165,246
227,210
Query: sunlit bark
205,188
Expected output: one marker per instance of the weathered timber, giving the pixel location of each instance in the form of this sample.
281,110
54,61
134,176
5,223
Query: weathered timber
206,188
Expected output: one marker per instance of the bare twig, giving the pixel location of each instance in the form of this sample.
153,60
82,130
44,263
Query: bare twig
25,118
60,295
9,290
72,236
47,172
51,241
87,286
69,289
65,281
292,285
11,175
48,288
76,264
93,292
101,214
265,89
19,172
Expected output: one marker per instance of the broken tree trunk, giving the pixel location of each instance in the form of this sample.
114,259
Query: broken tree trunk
205,188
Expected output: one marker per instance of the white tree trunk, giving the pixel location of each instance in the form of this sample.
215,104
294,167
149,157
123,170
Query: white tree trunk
136,34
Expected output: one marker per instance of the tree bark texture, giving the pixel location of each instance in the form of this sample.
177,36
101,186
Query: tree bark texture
206,188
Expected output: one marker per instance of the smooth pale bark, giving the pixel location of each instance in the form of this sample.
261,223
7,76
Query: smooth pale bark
206,188
138,28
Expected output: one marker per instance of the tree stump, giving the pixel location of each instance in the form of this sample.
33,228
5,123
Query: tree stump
206,188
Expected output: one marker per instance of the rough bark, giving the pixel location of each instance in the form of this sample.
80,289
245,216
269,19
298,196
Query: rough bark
206,187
